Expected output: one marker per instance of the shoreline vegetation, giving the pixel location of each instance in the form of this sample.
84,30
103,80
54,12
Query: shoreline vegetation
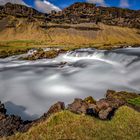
17,47
118,112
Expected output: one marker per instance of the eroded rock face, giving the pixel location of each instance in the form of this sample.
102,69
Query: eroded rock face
9,124
106,113
81,12
19,11
59,106
78,106
122,95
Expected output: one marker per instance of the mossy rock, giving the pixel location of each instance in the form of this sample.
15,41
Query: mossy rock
90,100
123,95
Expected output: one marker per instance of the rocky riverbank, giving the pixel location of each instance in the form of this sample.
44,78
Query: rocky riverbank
49,53
103,109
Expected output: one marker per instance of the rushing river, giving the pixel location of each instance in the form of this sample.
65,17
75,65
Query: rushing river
29,88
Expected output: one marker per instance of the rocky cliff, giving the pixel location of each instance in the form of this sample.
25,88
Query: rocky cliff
77,13
90,13
19,11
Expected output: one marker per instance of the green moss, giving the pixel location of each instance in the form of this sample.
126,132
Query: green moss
135,101
90,100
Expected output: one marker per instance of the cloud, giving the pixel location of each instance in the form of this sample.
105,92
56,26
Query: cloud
99,2
3,2
124,3
45,6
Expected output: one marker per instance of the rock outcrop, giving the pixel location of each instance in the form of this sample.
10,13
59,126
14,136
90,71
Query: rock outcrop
90,13
77,13
78,106
10,124
19,11
103,109
59,106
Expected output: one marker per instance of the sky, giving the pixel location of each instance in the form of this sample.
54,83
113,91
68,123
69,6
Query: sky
132,4
48,5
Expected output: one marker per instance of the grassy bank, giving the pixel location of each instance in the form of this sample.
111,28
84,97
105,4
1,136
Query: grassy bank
107,37
16,47
125,125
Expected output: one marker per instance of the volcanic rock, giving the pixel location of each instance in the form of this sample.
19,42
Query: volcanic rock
59,106
106,114
78,106
19,11
81,12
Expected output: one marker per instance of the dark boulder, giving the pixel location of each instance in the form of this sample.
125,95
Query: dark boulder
92,110
2,108
106,114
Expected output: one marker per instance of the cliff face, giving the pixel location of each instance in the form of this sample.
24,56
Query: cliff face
77,13
85,12
19,11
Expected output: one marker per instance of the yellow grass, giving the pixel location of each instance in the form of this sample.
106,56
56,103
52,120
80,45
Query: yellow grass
65,125
109,35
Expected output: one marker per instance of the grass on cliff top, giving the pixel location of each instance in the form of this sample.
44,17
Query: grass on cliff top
65,125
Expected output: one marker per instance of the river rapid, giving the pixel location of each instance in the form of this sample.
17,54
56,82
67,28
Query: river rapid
29,88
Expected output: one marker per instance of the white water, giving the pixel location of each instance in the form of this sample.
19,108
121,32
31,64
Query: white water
29,88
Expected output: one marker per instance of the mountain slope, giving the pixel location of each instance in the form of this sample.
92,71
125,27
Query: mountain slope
79,24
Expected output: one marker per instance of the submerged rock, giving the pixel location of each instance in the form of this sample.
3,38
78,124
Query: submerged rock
42,54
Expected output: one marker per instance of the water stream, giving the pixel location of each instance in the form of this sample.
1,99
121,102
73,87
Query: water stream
29,88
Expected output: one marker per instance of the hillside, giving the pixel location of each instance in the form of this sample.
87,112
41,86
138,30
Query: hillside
66,125
79,24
